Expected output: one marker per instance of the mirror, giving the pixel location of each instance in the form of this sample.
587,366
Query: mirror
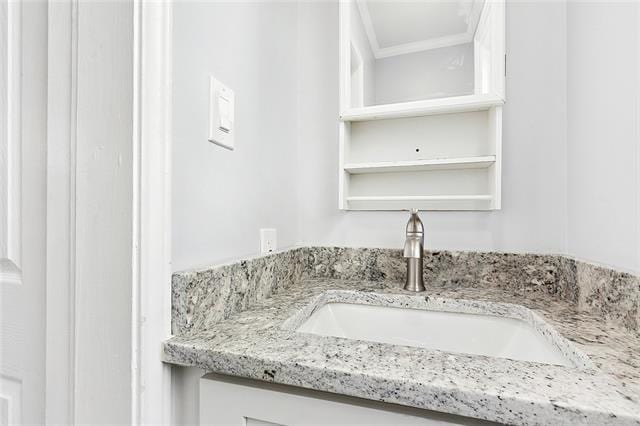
405,51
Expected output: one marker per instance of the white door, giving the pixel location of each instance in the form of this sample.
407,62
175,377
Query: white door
22,210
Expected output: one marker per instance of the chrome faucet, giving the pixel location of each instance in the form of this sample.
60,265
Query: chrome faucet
414,252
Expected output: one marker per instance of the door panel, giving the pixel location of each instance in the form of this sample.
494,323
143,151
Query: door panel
23,71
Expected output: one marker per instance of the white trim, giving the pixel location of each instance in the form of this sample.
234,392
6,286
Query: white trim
151,308
343,176
10,141
420,45
495,120
61,210
344,53
344,61
498,51
637,137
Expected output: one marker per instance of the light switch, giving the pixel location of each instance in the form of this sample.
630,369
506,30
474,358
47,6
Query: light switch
225,122
221,114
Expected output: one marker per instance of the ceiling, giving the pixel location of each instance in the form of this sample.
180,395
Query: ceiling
396,27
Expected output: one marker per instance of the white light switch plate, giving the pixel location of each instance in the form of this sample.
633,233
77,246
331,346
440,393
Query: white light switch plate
268,240
221,114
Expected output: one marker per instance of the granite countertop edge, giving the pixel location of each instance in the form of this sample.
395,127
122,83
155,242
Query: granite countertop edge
472,386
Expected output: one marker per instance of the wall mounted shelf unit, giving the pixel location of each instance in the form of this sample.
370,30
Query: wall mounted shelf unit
432,154
449,161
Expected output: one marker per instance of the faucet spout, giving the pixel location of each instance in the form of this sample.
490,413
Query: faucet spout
414,253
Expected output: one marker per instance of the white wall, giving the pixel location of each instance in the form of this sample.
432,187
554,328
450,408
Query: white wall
434,73
222,198
260,62
603,139
534,214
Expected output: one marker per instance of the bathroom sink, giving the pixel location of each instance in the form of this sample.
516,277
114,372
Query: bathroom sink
467,333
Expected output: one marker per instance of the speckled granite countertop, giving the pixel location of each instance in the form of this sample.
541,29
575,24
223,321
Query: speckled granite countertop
254,344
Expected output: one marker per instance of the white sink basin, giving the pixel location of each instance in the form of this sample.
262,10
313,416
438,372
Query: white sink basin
467,333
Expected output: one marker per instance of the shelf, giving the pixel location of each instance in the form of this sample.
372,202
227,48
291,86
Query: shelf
455,104
421,165
422,202
422,198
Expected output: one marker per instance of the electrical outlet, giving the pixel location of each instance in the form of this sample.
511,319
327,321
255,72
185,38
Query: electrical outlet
268,240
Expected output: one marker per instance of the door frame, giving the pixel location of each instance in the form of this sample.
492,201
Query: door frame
61,207
151,211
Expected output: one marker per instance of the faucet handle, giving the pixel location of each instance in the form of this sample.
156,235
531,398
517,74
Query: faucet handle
414,225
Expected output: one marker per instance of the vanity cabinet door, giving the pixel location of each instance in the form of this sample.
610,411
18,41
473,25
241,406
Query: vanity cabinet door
238,402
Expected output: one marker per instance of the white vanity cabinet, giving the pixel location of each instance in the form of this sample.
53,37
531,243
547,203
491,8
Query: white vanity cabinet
235,401
422,87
